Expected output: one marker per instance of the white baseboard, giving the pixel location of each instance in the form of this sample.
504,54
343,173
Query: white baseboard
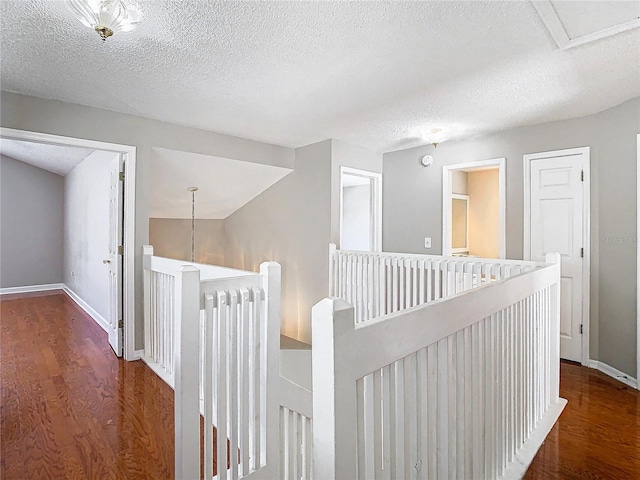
99,319
32,288
138,354
614,373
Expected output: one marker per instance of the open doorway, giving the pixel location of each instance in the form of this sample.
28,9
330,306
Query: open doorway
473,209
360,210
93,195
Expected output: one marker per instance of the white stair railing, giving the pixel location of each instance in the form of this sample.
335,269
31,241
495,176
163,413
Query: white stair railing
461,388
380,283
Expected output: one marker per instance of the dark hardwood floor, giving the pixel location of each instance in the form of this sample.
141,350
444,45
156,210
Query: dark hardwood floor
598,433
71,410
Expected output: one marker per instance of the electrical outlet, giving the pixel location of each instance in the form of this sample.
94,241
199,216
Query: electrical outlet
427,242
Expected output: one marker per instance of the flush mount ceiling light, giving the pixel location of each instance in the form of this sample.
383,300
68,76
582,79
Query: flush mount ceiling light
436,136
107,16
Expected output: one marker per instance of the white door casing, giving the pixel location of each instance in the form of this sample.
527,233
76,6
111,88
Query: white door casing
114,259
556,220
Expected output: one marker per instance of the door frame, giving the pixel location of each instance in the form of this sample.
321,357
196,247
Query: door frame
585,153
447,184
376,204
638,265
128,271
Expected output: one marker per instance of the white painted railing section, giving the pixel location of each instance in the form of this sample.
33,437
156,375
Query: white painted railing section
380,283
459,388
213,334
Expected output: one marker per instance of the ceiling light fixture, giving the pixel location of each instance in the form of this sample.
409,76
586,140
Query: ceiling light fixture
436,136
107,16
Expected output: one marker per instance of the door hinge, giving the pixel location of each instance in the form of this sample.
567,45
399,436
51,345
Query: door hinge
582,252
120,250
120,323
121,176
582,176
581,329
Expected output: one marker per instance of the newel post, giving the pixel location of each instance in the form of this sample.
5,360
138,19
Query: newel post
271,284
186,372
147,253
334,391
554,340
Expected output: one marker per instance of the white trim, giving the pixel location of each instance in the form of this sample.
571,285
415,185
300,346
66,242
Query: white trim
638,259
500,163
585,153
376,203
128,271
32,288
614,373
138,354
527,452
99,319
553,23
551,20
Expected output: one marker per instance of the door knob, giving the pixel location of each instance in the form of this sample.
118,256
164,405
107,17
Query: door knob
106,261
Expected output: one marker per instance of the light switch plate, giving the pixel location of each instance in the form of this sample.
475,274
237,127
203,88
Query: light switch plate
427,242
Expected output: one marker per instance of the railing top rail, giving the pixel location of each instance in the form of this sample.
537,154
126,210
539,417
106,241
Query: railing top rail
426,320
207,271
417,256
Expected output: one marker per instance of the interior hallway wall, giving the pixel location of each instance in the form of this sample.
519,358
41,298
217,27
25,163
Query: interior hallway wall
289,223
33,114
171,238
611,135
31,206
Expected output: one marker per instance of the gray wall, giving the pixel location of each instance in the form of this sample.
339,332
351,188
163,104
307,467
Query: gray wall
60,118
86,229
413,209
171,238
289,223
31,206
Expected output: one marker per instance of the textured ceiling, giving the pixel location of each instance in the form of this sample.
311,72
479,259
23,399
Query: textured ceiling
224,185
54,158
375,74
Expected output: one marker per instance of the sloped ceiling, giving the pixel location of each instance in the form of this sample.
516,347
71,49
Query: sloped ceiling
54,158
375,74
224,185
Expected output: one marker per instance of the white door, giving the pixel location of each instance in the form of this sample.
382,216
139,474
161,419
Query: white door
557,224
114,260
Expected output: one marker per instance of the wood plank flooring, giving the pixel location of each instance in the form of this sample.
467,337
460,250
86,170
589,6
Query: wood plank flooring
71,410
598,433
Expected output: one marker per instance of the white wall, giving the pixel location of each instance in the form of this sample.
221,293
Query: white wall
30,225
86,229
